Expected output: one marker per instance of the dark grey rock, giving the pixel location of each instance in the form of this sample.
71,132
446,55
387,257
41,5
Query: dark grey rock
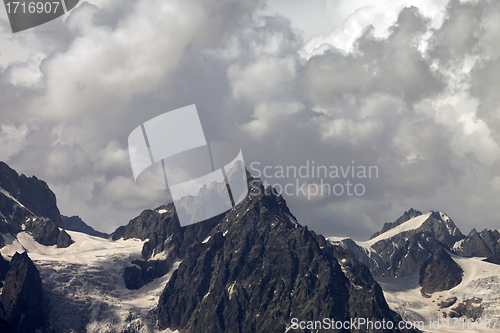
165,236
63,240
447,302
31,192
28,204
403,254
440,272
144,272
43,231
482,244
36,195
471,308
23,298
259,269
75,223
4,267
494,259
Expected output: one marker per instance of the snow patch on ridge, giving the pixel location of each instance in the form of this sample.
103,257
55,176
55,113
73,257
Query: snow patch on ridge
411,224
458,245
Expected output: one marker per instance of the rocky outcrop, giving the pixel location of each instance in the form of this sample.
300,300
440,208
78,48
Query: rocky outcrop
440,272
75,223
259,268
470,308
23,298
494,259
43,231
482,244
166,237
64,240
402,254
37,196
31,192
28,204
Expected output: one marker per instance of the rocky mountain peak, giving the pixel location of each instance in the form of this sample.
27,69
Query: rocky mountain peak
28,204
405,244
476,244
32,193
258,268
408,215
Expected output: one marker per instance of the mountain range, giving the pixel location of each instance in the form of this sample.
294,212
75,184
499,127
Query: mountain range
254,268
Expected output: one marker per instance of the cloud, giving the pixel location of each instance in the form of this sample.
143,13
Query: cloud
12,140
393,86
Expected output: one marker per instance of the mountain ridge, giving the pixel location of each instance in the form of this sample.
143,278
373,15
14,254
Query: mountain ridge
75,223
259,268
29,204
405,244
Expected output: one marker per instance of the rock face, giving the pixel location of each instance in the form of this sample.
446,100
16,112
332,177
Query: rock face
63,240
23,298
30,192
27,204
4,268
166,238
259,268
470,308
494,259
482,244
440,272
144,272
75,223
403,253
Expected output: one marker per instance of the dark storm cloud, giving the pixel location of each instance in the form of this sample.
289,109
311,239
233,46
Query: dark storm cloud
419,103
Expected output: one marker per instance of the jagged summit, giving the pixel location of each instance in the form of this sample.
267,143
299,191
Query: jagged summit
405,244
250,269
31,193
28,204
479,244
258,268
409,214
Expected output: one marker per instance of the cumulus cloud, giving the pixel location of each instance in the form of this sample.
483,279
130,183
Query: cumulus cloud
408,86
12,140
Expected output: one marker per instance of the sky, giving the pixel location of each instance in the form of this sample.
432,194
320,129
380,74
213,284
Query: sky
408,88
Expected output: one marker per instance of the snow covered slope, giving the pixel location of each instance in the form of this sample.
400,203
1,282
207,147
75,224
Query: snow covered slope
411,224
404,245
481,280
85,283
